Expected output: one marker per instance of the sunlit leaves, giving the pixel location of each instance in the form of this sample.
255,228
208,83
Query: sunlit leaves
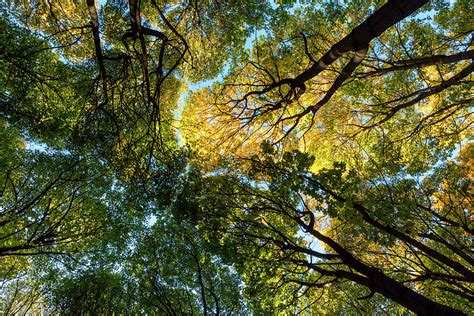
331,186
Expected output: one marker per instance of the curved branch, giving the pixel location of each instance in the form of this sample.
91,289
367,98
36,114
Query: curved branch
419,62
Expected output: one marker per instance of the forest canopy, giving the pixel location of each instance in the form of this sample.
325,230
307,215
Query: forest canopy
246,157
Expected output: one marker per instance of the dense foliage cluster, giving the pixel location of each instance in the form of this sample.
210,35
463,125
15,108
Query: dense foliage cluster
244,157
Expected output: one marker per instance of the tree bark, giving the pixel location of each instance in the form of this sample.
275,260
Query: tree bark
392,12
379,282
201,283
98,49
456,266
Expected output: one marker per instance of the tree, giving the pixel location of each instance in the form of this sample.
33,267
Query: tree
281,91
386,236
217,157
92,292
177,273
39,207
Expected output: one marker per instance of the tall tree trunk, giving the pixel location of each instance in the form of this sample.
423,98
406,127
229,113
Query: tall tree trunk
377,281
378,22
